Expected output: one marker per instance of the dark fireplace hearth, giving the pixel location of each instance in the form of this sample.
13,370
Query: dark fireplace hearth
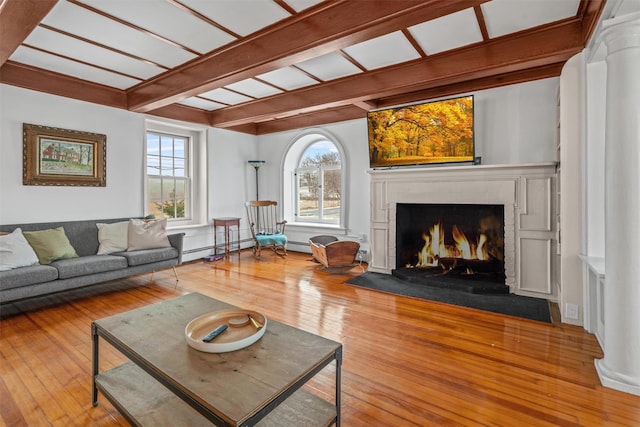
457,246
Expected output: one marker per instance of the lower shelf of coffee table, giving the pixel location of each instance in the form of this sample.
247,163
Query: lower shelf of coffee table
146,402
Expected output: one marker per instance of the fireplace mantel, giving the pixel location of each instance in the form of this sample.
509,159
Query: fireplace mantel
527,192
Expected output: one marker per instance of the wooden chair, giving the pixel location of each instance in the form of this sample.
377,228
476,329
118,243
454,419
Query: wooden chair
331,252
266,230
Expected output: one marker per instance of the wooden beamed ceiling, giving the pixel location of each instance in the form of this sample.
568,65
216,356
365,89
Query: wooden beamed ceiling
527,55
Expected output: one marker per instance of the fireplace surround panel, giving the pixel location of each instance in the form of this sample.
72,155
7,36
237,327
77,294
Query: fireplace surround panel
527,193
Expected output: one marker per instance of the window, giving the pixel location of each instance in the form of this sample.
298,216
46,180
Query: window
319,184
168,181
175,173
314,174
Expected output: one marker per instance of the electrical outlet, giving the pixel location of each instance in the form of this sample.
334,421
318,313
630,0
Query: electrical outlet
362,255
571,311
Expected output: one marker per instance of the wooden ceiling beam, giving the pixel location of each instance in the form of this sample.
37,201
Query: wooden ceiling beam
515,77
184,113
534,48
330,26
590,13
301,121
338,114
54,83
365,105
317,31
17,19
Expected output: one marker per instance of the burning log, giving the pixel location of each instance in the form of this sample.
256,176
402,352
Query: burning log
465,265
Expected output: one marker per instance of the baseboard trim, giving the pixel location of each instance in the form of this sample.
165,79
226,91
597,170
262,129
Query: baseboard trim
615,380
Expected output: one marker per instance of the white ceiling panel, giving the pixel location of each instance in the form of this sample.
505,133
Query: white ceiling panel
448,32
54,63
226,96
509,16
254,88
299,5
287,78
81,22
240,16
201,103
328,67
383,51
60,44
167,20
631,6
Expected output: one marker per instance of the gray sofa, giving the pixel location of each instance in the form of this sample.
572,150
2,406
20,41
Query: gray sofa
88,268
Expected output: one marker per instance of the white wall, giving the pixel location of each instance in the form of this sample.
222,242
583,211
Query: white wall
571,177
596,100
231,179
514,124
352,135
121,197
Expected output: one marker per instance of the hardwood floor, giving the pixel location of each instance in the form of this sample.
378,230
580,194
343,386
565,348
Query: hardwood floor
407,362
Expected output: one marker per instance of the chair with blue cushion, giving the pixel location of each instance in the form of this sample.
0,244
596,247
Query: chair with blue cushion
266,230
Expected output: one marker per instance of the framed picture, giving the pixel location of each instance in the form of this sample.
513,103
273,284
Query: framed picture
53,156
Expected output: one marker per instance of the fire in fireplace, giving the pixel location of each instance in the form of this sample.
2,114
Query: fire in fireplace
451,245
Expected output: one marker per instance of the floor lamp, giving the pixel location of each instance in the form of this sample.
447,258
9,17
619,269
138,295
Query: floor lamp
256,164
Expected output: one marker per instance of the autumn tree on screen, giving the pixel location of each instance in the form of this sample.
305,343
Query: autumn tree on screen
436,130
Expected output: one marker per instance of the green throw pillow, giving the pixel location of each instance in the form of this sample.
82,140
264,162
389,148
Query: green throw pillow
50,245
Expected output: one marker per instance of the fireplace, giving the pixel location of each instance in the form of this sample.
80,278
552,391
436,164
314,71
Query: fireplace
526,194
458,246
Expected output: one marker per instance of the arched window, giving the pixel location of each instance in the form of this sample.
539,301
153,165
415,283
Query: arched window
319,184
316,164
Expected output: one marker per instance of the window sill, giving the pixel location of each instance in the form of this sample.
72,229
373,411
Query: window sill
315,227
186,226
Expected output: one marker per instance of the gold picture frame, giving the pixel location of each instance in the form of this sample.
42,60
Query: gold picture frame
63,157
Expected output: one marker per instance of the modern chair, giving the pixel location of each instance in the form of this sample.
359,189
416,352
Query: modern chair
331,252
266,230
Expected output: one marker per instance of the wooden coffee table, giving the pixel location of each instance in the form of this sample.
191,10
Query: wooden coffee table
169,383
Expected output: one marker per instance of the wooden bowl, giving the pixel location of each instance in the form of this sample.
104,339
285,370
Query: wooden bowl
238,335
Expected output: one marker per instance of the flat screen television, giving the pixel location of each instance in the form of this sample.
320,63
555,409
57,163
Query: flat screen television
435,132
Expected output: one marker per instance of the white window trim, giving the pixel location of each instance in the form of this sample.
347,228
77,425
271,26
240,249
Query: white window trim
290,162
197,165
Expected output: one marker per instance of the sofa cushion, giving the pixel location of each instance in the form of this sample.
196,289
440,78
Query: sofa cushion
112,237
147,234
15,251
146,256
25,276
88,265
50,245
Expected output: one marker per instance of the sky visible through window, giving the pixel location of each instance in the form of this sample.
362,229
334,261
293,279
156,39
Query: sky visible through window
318,149
165,155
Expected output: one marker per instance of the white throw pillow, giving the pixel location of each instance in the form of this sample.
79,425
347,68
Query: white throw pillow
15,251
112,237
147,234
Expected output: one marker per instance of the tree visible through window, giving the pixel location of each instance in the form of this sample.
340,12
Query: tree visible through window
319,184
168,178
